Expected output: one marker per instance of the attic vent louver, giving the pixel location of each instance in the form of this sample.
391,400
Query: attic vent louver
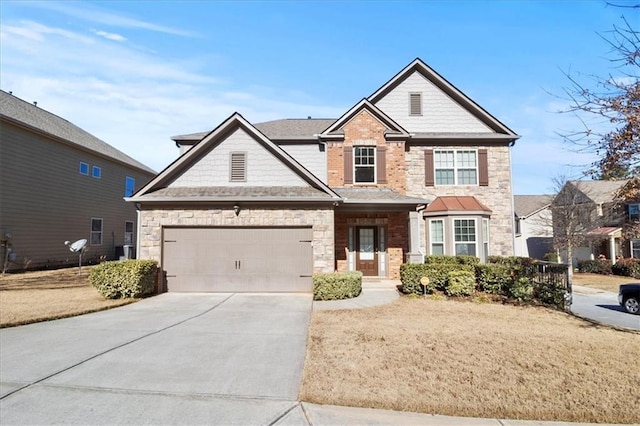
238,167
415,103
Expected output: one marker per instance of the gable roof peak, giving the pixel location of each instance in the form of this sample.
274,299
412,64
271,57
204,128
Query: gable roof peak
365,104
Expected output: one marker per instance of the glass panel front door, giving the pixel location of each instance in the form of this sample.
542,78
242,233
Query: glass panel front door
367,250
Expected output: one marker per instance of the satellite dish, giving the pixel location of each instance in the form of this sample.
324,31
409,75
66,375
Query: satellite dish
77,247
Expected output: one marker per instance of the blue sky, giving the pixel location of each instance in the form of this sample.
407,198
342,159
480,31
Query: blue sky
134,73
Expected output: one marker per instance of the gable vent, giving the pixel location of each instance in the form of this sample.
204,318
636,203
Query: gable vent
238,167
415,103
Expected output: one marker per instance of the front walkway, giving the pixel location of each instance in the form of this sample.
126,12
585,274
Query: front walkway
375,292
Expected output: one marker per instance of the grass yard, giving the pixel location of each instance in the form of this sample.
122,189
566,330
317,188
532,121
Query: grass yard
469,359
44,295
602,282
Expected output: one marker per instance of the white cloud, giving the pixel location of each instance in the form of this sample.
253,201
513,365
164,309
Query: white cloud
110,36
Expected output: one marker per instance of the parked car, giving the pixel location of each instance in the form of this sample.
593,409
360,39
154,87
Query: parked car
629,297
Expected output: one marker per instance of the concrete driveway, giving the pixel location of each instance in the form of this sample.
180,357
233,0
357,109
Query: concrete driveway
602,306
170,359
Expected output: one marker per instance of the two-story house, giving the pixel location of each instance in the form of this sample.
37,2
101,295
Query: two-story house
592,216
58,183
534,226
415,168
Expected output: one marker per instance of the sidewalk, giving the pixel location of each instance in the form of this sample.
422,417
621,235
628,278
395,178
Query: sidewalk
375,292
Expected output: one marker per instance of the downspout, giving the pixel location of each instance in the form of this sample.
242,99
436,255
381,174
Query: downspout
513,207
138,231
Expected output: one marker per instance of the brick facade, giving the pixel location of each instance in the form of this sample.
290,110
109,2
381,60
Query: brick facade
365,129
321,220
396,241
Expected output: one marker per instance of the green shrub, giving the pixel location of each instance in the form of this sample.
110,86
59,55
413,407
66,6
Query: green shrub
494,278
627,268
411,273
337,285
551,257
122,279
457,260
550,293
599,266
521,289
460,283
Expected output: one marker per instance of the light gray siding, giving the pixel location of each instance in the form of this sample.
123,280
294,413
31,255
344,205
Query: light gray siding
311,158
440,113
44,200
263,168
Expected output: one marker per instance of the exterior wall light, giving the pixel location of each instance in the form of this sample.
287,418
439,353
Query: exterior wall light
236,209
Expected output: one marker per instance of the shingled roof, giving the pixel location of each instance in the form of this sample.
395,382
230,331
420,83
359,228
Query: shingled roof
18,111
599,191
285,129
526,205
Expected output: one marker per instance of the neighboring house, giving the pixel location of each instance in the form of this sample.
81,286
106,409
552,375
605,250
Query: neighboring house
603,224
534,228
60,183
416,168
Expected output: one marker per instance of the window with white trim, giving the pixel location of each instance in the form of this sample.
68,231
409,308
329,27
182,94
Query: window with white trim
364,164
84,168
456,167
485,239
238,167
436,235
96,231
128,232
464,237
635,249
415,103
634,211
96,172
129,186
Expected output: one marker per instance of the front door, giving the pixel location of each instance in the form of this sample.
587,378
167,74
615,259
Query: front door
367,250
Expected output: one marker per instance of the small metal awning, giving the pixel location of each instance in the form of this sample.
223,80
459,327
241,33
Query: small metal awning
456,204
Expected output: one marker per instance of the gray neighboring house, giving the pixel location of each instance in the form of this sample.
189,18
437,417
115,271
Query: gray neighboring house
58,183
416,168
605,222
534,228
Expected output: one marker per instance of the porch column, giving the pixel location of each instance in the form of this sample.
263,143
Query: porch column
414,238
612,249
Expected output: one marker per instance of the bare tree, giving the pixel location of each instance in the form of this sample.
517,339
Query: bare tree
616,100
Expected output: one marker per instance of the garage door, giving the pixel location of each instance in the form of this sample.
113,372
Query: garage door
244,259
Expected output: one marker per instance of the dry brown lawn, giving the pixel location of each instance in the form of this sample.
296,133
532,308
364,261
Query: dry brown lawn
44,295
469,359
602,282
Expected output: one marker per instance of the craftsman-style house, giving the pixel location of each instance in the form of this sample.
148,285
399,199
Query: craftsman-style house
416,168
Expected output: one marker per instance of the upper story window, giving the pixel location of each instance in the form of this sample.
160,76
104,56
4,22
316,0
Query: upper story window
96,172
96,231
456,167
364,164
238,167
415,103
129,186
634,211
84,169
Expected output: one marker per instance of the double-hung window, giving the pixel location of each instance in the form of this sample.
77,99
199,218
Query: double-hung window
456,167
635,249
96,231
634,212
436,233
364,164
84,168
464,236
128,232
96,172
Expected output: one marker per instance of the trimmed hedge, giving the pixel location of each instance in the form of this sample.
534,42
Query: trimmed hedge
438,274
460,283
456,260
494,278
627,268
337,285
595,266
123,279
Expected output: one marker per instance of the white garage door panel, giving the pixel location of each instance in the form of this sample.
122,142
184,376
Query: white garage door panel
238,259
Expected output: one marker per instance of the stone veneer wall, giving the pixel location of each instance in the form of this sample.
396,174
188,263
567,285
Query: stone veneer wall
497,196
365,129
320,219
397,237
